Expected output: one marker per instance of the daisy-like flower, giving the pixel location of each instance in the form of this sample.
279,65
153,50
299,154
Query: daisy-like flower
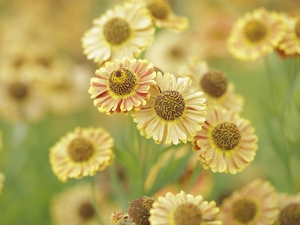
289,206
122,85
213,83
255,204
163,15
139,210
256,34
172,114
81,153
124,31
226,143
290,43
183,209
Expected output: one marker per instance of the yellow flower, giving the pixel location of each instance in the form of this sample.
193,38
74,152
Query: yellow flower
254,204
172,114
226,143
256,34
124,31
163,15
289,206
213,83
290,43
122,85
81,153
183,209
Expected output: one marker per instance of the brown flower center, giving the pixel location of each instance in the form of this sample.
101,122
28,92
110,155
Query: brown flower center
244,210
159,9
169,105
80,149
297,28
139,210
18,91
116,31
122,81
255,31
86,211
226,135
187,214
214,83
290,215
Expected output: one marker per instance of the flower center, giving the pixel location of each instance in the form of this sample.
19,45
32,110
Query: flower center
122,81
244,210
159,9
139,210
169,105
226,135
214,83
116,31
297,28
290,215
86,211
80,150
255,31
18,91
187,214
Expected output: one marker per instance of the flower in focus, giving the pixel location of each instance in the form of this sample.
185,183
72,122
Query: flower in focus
73,206
254,204
183,209
226,143
290,43
214,84
139,210
289,206
81,153
172,114
256,34
122,85
124,31
163,15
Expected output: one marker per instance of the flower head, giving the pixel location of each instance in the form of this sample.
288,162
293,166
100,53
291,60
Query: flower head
183,209
139,210
213,83
81,153
256,34
172,114
254,204
124,31
122,85
289,206
226,143
163,15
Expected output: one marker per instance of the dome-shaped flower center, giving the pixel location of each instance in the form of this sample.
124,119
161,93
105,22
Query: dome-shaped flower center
187,214
214,83
297,28
169,105
86,211
244,210
159,9
18,91
122,81
226,135
80,150
290,215
255,31
116,31
139,210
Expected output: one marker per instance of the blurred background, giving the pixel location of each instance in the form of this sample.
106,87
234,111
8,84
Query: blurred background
41,55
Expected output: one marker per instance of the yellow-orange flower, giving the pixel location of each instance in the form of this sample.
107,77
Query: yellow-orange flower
226,143
81,153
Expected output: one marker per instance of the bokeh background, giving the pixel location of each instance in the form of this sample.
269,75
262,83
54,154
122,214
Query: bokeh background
43,38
